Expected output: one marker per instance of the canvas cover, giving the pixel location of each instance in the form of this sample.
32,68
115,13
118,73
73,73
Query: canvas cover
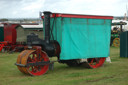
82,38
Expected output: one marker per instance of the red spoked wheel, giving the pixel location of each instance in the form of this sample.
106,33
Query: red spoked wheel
37,70
30,56
95,62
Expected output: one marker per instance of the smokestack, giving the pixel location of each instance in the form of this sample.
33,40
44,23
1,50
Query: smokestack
47,25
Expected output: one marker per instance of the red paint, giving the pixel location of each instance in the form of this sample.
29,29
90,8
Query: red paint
1,46
94,64
10,33
35,70
80,16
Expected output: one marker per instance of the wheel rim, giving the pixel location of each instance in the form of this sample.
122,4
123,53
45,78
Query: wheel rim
95,62
37,70
30,56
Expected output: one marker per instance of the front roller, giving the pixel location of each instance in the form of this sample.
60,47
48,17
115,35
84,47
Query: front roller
33,62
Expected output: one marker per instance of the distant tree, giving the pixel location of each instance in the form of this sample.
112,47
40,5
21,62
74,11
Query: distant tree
4,19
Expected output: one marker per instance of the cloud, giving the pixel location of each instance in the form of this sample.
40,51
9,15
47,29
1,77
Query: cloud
30,8
98,7
33,6
20,8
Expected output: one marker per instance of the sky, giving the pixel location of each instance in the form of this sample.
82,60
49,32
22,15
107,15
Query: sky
31,8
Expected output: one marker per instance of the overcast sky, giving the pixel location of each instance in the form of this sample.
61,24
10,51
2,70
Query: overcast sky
31,8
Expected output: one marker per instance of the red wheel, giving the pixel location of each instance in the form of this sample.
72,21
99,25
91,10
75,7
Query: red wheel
30,56
95,62
116,42
37,70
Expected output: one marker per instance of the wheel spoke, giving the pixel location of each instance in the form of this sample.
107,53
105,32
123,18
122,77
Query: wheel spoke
92,61
38,70
32,69
97,60
29,59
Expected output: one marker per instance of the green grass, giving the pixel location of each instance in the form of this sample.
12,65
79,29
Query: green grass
115,73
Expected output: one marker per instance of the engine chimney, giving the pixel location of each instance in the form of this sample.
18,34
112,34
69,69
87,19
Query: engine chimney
47,25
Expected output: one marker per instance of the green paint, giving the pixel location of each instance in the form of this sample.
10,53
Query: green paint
1,33
82,38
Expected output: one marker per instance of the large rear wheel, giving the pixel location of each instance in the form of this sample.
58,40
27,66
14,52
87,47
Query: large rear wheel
94,62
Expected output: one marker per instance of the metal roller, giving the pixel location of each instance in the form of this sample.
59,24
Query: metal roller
29,62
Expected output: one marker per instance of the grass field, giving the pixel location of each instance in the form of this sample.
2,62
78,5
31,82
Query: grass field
115,73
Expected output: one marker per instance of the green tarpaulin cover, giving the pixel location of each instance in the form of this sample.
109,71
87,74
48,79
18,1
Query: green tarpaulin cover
82,38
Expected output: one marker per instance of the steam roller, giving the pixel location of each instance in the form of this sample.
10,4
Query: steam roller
63,40
34,63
